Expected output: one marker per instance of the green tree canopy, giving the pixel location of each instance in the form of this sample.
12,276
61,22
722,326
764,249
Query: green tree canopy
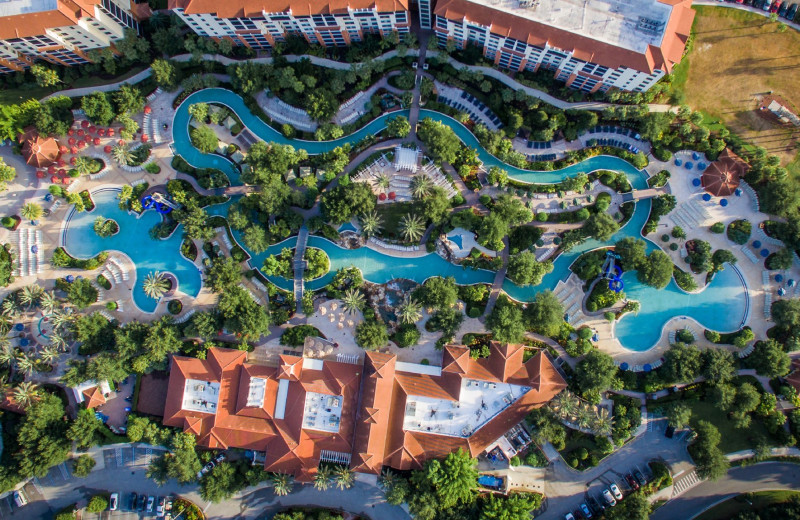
440,140
595,372
398,126
601,226
682,363
371,335
546,314
632,253
437,292
524,269
506,322
769,359
656,270
204,139
98,108
344,202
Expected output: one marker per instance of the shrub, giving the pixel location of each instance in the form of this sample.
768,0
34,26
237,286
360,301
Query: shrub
665,237
174,307
296,336
152,168
610,316
712,336
739,231
97,504
685,336
407,334
7,222
717,227
673,247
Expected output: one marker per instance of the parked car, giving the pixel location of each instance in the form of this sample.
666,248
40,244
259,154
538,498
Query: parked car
208,467
219,458
775,6
160,508
632,482
609,498
783,9
615,490
586,511
20,499
151,500
142,501
132,501
639,477
766,5
113,502
791,12
596,506
569,516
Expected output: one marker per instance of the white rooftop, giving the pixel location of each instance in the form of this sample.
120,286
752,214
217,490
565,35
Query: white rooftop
406,158
255,392
200,396
479,401
322,412
15,7
630,24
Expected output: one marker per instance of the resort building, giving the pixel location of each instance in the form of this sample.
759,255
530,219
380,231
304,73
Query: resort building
62,32
262,24
588,44
365,414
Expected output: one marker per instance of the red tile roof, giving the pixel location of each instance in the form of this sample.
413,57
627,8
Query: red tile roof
373,406
722,176
93,397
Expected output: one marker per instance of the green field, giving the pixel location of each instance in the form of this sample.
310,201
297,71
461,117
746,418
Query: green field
747,502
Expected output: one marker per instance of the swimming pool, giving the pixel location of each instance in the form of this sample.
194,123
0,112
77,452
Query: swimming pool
133,240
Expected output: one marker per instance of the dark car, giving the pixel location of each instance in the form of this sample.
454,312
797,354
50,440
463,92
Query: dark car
596,506
782,10
142,501
639,477
632,482
132,501
791,12
670,432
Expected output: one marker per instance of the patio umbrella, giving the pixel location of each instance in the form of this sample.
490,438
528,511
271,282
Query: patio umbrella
695,156
706,197
85,123
61,162
40,174
696,182
110,132
688,165
55,180
147,110
779,278
624,366
73,159
51,169
96,141
62,172
70,278
101,131
19,327
24,342
92,129
701,166
382,196
678,162
63,149
723,202
34,249
791,282
647,367
48,197
144,138
107,148
765,253
781,291
121,142
81,144
738,192
71,141
80,133
756,244
70,132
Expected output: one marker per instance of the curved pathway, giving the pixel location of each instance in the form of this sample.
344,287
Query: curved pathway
759,477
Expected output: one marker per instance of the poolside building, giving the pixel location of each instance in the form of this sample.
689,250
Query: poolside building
62,32
365,414
261,24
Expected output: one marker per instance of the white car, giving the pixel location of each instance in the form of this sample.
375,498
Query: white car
615,490
113,502
609,498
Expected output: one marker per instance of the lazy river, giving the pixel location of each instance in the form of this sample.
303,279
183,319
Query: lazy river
720,306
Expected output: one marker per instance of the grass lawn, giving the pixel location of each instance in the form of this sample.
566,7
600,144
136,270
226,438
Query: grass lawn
739,504
391,214
737,57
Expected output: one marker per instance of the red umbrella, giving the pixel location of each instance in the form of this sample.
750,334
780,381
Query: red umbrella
71,132
110,132
96,141
80,133
62,172
73,150
40,174
63,149
73,159
382,196
107,148
71,141
147,110
51,169
81,144
61,162
121,142
54,179
392,195
101,131
92,129
66,180
85,124
144,138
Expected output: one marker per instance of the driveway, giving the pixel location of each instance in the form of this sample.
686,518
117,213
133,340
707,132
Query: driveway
760,477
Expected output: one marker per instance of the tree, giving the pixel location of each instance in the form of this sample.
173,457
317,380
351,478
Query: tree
7,174
435,206
83,465
45,77
31,211
129,100
632,253
657,270
281,484
440,140
183,463
595,372
97,504
769,359
220,483
409,311
497,176
601,226
81,293
421,186
719,365
682,363
165,74
82,430
699,256
242,315
98,108
546,314
711,462
155,285
103,227
437,292
223,273
41,439
122,154
204,139
452,481
343,202
634,507
516,506
194,220
322,480
781,259
398,127
353,300
524,269
371,335
506,322
371,223
25,394
411,227
344,477
679,415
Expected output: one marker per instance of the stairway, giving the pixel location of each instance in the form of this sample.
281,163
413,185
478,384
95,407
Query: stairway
299,268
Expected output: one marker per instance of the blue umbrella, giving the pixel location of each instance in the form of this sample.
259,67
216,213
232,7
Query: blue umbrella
765,253
48,197
647,367
706,197
23,342
791,282
695,182
689,166
678,162
70,278
34,249
781,291
701,166
738,192
756,244
723,202
695,155
624,366
779,278
19,326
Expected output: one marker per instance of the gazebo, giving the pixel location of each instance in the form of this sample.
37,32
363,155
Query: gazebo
38,151
722,176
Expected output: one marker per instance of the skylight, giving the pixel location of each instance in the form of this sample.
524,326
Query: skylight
322,412
200,396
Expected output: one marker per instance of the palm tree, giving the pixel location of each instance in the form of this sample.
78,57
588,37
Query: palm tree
84,165
60,318
388,479
412,227
25,364
344,477
49,354
565,404
584,417
122,154
5,386
421,186
11,307
57,341
603,422
371,223
25,393
383,181
48,302
322,480
155,285
8,356
31,211
281,484
353,300
410,311
30,294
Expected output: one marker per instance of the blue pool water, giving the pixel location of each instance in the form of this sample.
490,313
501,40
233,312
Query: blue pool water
347,226
134,240
457,240
720,306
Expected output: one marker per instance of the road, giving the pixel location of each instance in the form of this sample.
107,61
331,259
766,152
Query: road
124,472
759,477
